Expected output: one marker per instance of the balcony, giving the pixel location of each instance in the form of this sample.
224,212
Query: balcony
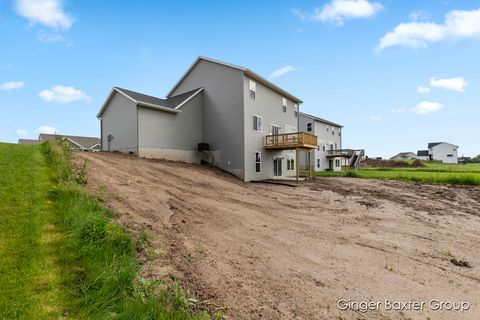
289,141
346,153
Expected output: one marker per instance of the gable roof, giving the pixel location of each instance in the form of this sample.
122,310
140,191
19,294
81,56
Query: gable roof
321,120
403,155
433,144
171,104
246,71
423,153
81,142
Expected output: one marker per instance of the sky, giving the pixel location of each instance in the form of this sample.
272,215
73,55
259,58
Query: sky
396,74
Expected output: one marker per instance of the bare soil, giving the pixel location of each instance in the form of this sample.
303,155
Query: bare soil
376,163
263,251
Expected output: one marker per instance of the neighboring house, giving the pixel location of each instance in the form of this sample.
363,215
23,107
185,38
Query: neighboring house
443,151
464,160
329,138
28,141
218,113
76,143
404,156
423,155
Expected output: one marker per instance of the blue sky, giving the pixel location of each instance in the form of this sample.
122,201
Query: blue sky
356,62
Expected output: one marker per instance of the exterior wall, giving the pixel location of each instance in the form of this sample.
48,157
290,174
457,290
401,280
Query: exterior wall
268,105
423,158
222,116
120,120
171,136
441,151
326,141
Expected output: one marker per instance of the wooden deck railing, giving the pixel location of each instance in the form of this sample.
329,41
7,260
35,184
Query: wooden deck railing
292,140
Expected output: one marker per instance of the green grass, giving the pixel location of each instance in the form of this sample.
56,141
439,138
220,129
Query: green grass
62,256
31,277
433,173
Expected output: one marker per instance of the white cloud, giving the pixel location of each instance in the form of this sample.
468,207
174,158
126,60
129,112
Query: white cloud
423,89
12,85
376,118
426,107
419,15
456,83
22,133
47,12
458,24
47,130
337,11
282,71
399,110
63,95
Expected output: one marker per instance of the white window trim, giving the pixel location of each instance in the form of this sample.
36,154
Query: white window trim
259,131
252,87
260,153
273,125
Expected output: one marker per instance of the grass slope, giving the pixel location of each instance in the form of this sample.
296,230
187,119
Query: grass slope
64,255
31,278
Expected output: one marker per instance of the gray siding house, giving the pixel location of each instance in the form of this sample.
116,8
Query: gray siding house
443,151
329,135
245,124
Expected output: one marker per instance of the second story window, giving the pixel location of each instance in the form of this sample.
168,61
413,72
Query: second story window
253,89
284,104
296,111
309,127
257,123
273,129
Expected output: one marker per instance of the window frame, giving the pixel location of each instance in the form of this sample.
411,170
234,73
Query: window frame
256,123
258,162
252,89
309,124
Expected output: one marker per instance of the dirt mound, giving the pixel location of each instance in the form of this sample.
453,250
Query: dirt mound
375,163
263,251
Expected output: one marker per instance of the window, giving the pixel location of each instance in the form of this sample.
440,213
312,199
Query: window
290,164
318,163
284,104
296,110
449,155
333,132
339,134
309,127
337,163
258,161
331,146
323,147
257,123
273,129
253,89
335,146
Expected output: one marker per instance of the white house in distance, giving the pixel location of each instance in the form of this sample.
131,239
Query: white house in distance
439,151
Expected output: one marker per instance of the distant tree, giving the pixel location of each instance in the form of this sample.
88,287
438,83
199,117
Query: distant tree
476,159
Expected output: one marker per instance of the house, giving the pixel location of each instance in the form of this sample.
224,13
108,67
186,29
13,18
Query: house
28,141
329,137
218,113
76,143
464,160
443,151
404,156
423,155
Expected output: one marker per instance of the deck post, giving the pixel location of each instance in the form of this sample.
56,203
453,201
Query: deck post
309,165
298,166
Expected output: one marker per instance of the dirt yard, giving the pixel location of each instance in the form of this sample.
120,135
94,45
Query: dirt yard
277,252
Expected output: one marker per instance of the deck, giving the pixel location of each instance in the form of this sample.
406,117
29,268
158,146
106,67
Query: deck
290,141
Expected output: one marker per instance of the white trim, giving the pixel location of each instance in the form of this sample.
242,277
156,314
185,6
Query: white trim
273,125
195,63
110,96
189,98
255,154
96,144
260,131
246,71
79,145
156,107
